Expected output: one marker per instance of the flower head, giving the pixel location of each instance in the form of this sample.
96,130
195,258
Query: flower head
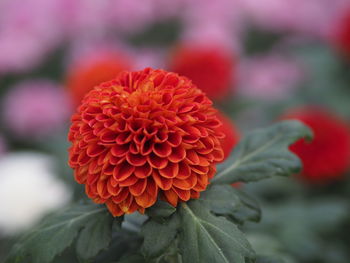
141,135
210,68
231,134
327,157
91,72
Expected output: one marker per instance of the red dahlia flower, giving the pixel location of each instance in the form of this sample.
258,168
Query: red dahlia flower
89,73
231,134
210,68
141,135
328,155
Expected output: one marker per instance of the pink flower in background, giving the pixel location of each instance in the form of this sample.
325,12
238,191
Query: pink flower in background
149,57
36,108
81,18
207,20
301,16
131,16
269,77
28,31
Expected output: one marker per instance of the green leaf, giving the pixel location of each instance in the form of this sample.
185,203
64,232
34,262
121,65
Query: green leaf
160,210
221,199
268,259
94,237
250,209
136,258
264,153
58,231
228,201
158,236
206,238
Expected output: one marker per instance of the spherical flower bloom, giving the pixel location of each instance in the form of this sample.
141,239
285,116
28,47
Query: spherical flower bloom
36,108
327,157
90,72
231,134
142,135
29,189
210,68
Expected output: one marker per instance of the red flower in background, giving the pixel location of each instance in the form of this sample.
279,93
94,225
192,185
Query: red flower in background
142,134
91,72
327,157
210,68
342,34
231,134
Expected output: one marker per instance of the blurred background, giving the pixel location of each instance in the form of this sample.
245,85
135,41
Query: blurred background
260,61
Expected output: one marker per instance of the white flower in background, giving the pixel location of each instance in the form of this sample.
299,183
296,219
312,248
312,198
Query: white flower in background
28,190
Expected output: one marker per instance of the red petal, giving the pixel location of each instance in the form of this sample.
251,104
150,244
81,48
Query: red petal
171,197
184,171
123,171
143,171
94,168
185,184
184,195
200,169
119,150
157,162
170,171
124,137
114,209
162,149
177,154
107,135
83,159
95,150
174,139
138,188
121,196
125,205
202,183
92,178
132,179
136,159
192,157
113,190
146,147
162,182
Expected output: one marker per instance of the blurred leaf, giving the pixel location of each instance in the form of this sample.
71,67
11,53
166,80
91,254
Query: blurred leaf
206,238
158,236
264,153
58,231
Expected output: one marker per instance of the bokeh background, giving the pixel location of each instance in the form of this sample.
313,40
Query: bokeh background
260,61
